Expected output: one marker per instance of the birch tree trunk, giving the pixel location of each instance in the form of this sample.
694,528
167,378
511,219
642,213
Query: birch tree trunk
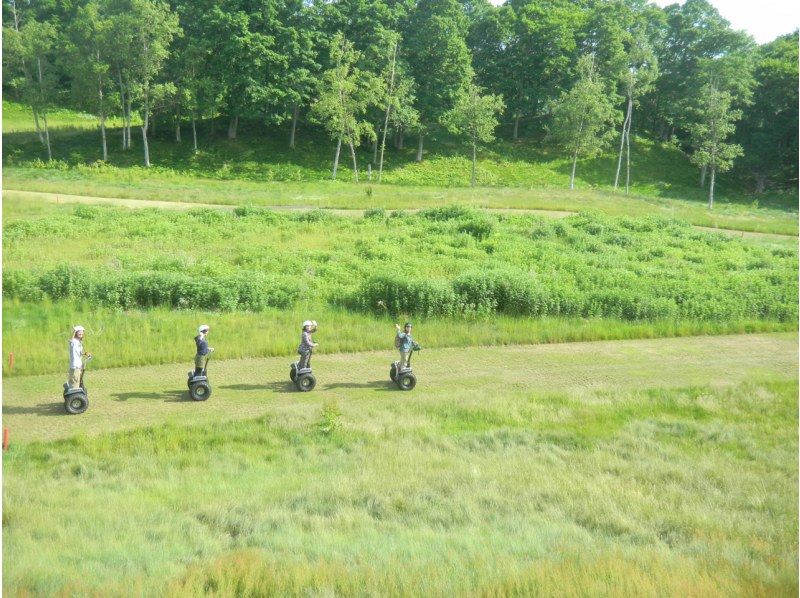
622,140
474,157
703,169
572,176
44,111
178,124
419,149
129,120
103,136
336,158
628,156
355,165
711,188
232,126
375,144
194,135
38,128
122,102
294,125
144,130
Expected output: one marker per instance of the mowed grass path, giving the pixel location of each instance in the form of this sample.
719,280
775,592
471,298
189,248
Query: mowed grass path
783,238
345,195
127,398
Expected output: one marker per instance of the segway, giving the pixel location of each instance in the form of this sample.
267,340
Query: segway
76,400
302,377
404,377
199,387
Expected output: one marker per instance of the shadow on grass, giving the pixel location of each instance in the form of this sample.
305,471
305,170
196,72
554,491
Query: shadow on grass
286,386
42,409
376,384
172,396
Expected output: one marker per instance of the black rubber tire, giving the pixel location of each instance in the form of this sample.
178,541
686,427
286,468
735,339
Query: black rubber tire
407,381
76,404
200,391
293,372
393,373
305,382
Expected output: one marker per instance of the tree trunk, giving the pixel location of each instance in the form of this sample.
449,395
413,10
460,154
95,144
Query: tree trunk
336,159
419,149
355,164
474,158
194,135
44,112
383,142
47,137
401,143
232,126
178,124
703,176
38,128
122,102
628,156
294,125
129,121
622,141
572,176
516,126
761,183
711,188
375,145
103,136
144,131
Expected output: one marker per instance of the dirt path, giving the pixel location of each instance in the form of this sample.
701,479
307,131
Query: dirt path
124,398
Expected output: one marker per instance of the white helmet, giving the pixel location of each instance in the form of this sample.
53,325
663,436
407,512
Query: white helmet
203,328
309,323
77,329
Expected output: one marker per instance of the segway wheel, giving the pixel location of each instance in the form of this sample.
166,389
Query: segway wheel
293,372
305,382
76,404
393,372
200,391
407,381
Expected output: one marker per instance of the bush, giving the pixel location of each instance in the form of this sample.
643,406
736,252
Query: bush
250,291
402,296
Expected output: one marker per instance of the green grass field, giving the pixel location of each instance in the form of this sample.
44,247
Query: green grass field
659,459
639,467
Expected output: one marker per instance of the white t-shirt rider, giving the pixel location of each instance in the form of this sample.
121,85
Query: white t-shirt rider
75,353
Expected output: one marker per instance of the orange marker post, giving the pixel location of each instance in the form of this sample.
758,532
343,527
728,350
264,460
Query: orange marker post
11,361
5,439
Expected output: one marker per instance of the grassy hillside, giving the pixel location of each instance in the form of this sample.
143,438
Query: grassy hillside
260,155
600,467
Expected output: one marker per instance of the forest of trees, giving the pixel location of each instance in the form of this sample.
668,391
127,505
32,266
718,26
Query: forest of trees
577,74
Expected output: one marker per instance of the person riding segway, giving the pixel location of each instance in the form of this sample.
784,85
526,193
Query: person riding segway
197,381
76,397
300,371
400,371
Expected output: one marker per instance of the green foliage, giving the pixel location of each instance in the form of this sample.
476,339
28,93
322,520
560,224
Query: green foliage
330,418
583,117
441,262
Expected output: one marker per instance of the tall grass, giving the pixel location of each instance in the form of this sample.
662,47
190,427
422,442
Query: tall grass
683,492
440,262
37,333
